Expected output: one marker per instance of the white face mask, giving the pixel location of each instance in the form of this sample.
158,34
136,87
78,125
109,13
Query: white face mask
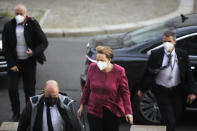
101,65
19,19
168,46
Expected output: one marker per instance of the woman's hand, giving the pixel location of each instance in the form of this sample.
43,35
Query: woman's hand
80,111
129,118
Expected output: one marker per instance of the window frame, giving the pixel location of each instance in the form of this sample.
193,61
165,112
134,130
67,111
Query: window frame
177,39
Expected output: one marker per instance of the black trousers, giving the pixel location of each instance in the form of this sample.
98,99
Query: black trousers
110,122
170,102
27,70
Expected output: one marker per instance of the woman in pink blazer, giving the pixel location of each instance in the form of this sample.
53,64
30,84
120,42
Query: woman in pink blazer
106,93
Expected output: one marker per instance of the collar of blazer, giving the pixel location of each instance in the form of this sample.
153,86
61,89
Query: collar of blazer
159,55
178,53
27,21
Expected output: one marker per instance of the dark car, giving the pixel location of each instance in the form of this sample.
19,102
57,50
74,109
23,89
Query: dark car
132,50
3,63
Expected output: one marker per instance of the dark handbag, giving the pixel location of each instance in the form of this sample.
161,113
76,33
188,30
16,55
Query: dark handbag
41,58
82,122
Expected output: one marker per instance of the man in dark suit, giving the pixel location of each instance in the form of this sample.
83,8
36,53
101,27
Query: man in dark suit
23,44
168,73
50,111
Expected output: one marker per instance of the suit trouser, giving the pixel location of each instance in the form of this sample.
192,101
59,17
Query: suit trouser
27,70
170,102
109,122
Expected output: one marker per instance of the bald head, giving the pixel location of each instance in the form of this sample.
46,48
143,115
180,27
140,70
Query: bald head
51,89
20,9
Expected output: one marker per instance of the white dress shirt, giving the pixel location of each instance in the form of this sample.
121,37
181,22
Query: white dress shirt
169,76
21,46
56,118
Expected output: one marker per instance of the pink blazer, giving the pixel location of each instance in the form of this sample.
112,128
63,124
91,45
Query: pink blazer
106,89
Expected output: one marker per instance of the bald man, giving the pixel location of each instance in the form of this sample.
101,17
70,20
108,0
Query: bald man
23,44
50,111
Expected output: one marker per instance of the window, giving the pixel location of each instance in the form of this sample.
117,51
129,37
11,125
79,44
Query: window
146,33
189,44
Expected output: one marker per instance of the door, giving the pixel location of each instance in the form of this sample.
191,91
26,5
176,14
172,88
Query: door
189,44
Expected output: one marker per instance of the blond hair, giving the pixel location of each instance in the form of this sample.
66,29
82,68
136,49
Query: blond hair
106,50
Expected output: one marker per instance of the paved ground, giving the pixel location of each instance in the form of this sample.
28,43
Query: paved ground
65,62
69,79
95,13
195,7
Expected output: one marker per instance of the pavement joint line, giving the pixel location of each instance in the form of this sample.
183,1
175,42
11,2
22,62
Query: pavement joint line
42,20
185,7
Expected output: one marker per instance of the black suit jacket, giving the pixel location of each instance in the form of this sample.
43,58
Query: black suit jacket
34,38
155,62
70,118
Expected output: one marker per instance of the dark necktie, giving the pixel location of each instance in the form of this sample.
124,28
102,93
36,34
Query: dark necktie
169,62
169,59
49,122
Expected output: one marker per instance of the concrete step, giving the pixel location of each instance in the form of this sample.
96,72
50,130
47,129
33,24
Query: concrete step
12,126
147,128
9,126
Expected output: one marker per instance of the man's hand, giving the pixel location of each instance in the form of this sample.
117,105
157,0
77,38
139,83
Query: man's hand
129,118
191,98
29,52
14,68
140,94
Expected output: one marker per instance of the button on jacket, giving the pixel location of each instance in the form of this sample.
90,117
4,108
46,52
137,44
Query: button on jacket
107,89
